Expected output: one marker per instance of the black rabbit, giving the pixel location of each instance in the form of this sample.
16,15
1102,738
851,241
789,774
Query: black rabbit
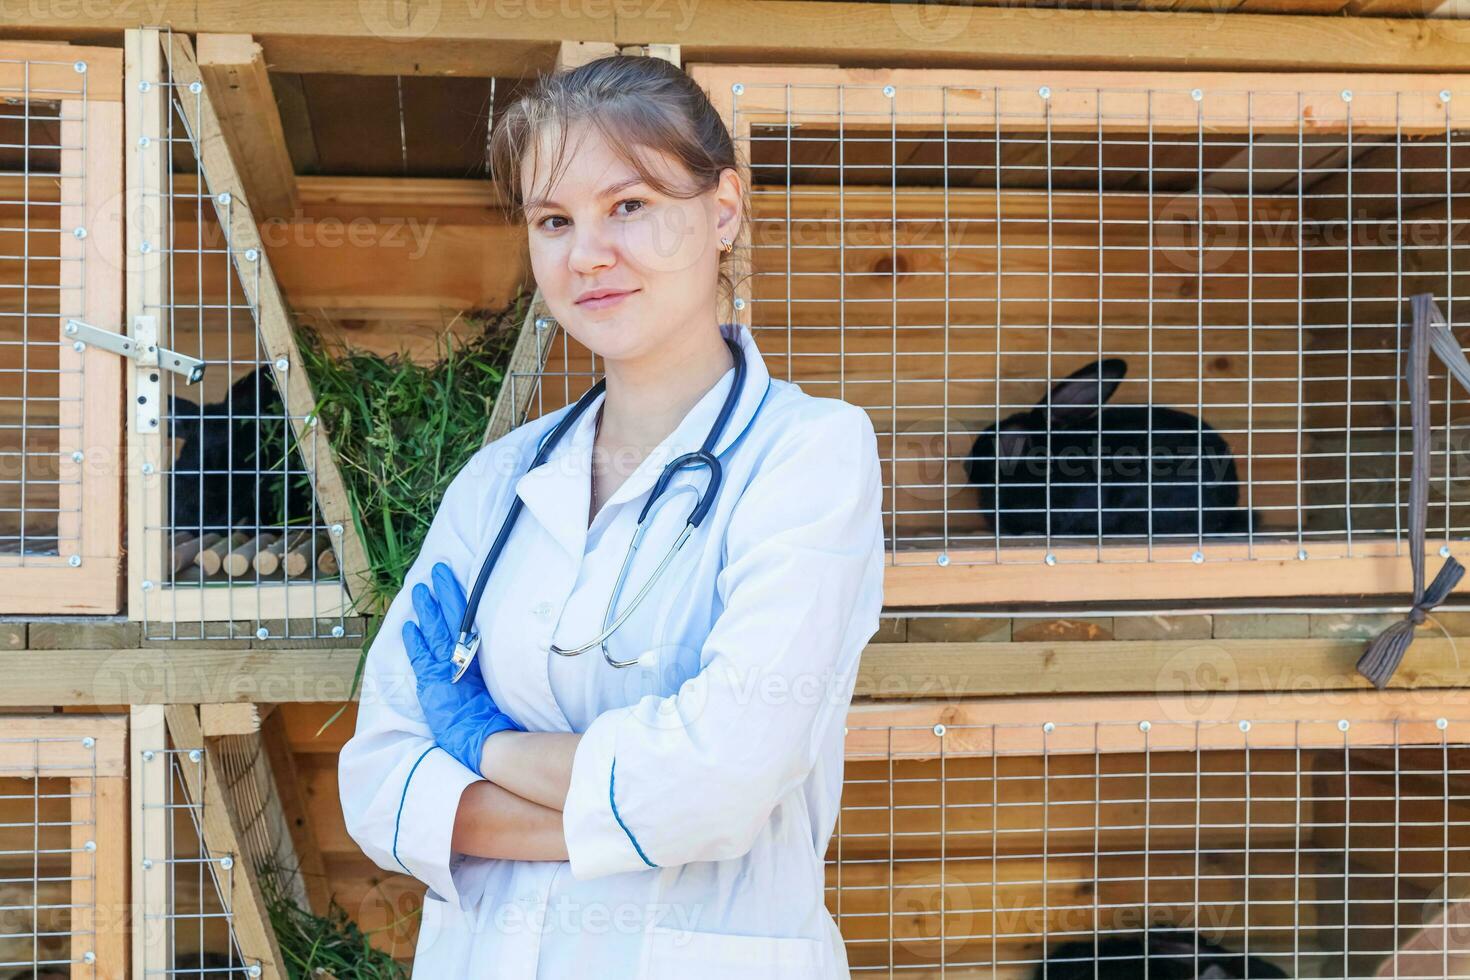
1164,954
230,461
1085,444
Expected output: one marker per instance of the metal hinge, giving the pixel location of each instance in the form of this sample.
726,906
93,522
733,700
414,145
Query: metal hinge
142,349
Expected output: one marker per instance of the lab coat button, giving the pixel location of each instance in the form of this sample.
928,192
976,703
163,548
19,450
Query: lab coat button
543,609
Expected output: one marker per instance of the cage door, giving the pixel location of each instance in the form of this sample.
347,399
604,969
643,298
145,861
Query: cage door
60,260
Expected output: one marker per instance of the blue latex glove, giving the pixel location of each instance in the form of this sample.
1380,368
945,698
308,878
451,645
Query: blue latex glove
461,715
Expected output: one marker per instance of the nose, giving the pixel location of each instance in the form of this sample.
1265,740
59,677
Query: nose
591,251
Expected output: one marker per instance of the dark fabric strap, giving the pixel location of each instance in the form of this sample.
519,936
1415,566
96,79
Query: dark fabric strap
1429,331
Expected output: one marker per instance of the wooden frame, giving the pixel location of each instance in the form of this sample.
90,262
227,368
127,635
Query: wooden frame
149,290
1093,102
88,191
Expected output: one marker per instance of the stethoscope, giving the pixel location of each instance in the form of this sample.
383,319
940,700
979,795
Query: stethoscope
469,640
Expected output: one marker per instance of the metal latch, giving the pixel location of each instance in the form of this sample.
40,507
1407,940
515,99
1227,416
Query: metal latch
141,348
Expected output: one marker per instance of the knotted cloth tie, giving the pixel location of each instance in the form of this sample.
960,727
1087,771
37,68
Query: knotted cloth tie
1429,331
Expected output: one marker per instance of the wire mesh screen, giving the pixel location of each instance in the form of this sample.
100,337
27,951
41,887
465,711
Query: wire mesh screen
48,859
1097,323
1265,849
237,542
42,141
196,934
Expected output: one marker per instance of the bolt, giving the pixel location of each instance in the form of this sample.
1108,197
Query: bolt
1343,725
888,90
251,255
1245,726
195,755
1441,723
74,561
89,957
938,731
90,847
1444,95
79,233
1049,727
1347,95
282,364
739,303
223,197
1444,551
147,755
338,632
144,86
336,530
1144,726
147,863
1197,95
146,247
147,586
738,89
143,142
1198,557
227,862
196,87
1044,91
1301,554
88,742
942,560
78,346
1051,559
262,634
80,67
147,469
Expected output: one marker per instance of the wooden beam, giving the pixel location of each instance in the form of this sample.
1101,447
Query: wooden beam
230,718
275,319
233,69
889,670
46,745
99,873
502,39
150,829
205,786
46,70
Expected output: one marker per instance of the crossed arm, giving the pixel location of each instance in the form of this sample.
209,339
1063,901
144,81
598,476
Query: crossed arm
518,815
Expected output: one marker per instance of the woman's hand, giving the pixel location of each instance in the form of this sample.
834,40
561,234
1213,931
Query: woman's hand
463,715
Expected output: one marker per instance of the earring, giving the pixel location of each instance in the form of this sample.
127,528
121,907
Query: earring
726,245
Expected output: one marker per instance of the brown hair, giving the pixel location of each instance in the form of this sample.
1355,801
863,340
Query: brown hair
634,102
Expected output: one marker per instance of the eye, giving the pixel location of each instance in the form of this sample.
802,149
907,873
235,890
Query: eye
550,217
632,200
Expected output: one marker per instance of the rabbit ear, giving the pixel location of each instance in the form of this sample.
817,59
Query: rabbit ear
1078,397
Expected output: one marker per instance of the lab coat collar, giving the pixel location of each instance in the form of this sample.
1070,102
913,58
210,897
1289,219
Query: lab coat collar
559,491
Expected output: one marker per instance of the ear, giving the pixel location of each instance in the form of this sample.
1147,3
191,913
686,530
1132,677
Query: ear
1078,397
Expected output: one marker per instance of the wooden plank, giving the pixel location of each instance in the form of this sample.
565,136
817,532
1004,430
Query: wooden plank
1230,570
249,922
230,718
298,814
150,829
44,70
312,684
233,69
340,36
275,321
1082,101
99,817
148,291
1083,725
32,746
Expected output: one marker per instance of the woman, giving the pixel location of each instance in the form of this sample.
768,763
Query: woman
667,819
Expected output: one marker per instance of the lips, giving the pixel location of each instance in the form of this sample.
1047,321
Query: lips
603,299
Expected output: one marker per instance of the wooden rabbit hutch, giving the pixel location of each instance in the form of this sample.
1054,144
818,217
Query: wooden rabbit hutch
1111,707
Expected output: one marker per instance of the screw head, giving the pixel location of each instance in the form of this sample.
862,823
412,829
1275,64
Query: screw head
1347,95
146,248
251,255
79,233
80,67
227,862
78,346
543,323
1198,557
739,303
938,731
737,89
1441,723
1049,727
223,197
1197,95
338,632
195,755
88,742
74,561
147,755
1343,725
147,863
89,957
336,530
1144,726
1444,551
146,586
282,364
1444,95
254,970
262,634
1044,91
1301,554
143,142
147,469
196,86
889,91
90,847
1050,559
144,86
1245,726
943,560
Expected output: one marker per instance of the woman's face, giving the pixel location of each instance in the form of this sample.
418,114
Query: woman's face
600,228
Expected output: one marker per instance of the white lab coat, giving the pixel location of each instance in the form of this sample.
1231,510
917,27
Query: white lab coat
706,785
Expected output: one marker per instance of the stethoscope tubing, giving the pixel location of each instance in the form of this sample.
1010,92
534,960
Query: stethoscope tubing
468,641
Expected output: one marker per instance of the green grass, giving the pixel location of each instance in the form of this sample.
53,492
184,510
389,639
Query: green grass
315,946
401,431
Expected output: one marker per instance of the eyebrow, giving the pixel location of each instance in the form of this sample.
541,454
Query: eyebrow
610,189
